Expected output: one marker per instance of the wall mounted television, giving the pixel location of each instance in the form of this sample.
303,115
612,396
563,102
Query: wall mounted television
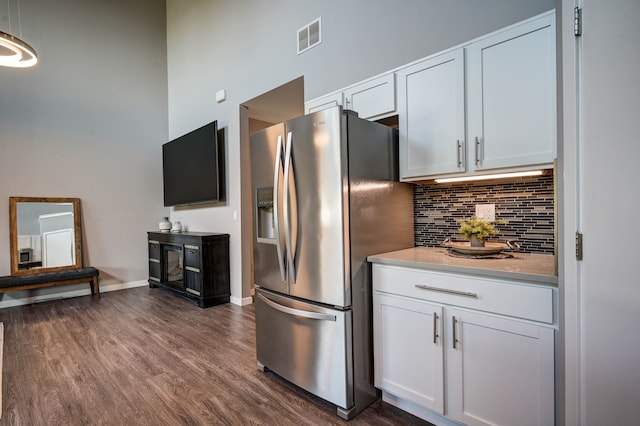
193,167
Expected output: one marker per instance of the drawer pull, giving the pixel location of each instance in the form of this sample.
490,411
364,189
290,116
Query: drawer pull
154,279
446,290
151,259
192,291
192,269
188,246
154,242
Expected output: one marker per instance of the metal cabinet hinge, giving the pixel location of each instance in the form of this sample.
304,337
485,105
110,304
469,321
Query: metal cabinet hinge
579,253
577,21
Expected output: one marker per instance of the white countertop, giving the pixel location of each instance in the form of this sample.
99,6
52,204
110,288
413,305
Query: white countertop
535,268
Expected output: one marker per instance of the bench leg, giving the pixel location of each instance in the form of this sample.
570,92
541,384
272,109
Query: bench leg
95,287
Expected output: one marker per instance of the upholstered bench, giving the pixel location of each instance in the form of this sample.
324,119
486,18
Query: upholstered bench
50,279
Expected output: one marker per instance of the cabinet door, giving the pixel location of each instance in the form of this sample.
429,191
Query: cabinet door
499,371
374,98
192,269
408,351
154,261
512,97
324,102
193,281
431,116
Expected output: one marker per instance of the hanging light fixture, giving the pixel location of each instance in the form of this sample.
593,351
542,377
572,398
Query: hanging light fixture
13,51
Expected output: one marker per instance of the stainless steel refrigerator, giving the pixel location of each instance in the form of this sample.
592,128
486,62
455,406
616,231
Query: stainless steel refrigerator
325,196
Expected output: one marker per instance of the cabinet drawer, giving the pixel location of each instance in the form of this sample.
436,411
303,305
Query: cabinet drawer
154,249
490,295
154,269
193,282
192,256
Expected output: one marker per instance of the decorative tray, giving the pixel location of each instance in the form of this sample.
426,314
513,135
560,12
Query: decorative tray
464,247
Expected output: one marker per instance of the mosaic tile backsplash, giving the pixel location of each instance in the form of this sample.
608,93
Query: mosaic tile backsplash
526,205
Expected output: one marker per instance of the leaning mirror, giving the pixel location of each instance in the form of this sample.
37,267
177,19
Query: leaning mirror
45,234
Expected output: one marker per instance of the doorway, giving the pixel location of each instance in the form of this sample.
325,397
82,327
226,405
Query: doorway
275,106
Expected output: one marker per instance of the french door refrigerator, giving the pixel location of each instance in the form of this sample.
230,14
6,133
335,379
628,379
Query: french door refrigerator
325,196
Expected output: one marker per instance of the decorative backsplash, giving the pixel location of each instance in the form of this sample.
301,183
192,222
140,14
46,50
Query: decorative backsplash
526,205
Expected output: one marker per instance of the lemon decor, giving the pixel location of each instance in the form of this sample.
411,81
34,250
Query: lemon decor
476,230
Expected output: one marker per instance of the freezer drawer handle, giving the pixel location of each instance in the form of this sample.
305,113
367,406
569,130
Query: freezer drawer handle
297,312
448,291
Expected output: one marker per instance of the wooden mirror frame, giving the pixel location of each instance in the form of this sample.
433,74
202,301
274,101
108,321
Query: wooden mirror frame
13,234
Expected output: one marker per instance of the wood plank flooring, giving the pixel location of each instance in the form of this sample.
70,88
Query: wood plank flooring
147,357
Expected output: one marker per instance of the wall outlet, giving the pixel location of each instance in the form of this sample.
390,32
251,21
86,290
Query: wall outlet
486,212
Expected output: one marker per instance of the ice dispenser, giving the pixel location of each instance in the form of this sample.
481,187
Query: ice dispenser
264,217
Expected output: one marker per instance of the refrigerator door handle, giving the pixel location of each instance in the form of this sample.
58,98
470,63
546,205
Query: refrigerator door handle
276,208
287,208
297,312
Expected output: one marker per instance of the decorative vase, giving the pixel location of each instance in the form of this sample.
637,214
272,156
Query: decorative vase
164,225
177,227
476,242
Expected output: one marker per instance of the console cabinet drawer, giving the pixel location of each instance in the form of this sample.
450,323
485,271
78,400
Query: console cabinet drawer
192,256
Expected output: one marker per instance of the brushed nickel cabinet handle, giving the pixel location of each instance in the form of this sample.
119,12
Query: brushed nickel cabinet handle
455,337
435,328
458,152
192,269
477,151
448,291
189,246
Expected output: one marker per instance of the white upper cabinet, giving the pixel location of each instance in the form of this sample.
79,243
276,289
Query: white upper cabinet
431,116
509,81
372,99
511,96
323,102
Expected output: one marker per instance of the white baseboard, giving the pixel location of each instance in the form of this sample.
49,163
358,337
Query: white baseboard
8,302
241,301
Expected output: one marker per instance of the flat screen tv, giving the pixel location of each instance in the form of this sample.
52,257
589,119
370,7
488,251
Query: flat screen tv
193,167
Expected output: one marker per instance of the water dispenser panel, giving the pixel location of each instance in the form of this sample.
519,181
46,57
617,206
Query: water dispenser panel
264,216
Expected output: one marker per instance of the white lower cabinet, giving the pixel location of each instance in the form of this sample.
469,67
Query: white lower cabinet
499,371
415,326
462,365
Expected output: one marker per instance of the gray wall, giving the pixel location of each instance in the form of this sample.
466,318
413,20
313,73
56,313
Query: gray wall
248,48
88,122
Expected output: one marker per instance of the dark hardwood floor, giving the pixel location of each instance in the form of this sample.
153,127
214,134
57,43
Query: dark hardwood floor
143,356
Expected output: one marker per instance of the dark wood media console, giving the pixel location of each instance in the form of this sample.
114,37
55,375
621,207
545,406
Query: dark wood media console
192,264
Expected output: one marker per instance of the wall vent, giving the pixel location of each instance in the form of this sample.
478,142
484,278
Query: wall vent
309,36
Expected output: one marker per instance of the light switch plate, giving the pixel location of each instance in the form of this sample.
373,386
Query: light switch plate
221,95
486,212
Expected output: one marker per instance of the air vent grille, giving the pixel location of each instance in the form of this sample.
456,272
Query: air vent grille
309,36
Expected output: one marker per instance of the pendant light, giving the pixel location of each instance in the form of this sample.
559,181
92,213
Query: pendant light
13,51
